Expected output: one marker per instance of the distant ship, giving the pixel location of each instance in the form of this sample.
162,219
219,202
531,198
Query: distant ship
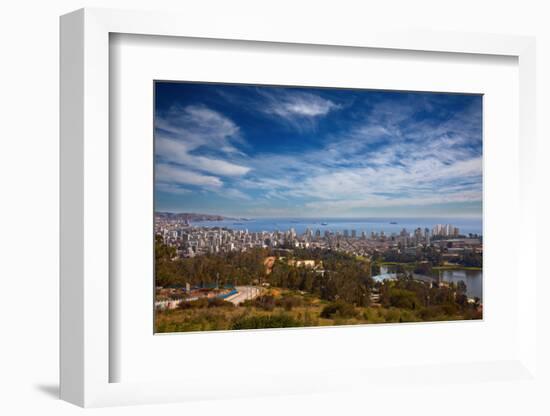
393,222
324,223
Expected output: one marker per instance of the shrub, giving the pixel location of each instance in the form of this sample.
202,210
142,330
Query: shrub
429,313
265,321
194,304
390,315
340,309
449,309
407,316
473,314
438,312
401,298
288,302
267,302
219,303
205,303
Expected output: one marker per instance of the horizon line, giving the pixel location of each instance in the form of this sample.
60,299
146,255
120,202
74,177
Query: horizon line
480,217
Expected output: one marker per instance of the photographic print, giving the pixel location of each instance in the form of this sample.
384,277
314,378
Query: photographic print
282,206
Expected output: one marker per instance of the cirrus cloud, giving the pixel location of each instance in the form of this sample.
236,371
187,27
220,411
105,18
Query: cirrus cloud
170,174
341,153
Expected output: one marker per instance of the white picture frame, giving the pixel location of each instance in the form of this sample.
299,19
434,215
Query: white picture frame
85,211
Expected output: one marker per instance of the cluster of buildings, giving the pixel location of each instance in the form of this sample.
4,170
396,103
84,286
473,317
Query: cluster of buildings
445,230
191,241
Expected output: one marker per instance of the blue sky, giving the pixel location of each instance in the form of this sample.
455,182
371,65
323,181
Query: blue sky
263,151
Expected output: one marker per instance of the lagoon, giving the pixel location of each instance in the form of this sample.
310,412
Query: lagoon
472,278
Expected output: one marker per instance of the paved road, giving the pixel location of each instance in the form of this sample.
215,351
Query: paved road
244,293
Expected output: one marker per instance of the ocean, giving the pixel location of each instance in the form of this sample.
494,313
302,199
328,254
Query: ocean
367,225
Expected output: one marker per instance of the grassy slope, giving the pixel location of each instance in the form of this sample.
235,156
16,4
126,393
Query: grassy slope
308,315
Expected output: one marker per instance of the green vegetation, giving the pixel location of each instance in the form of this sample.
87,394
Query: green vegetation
339,309
337,290
206,303
230,268
281,320
471,260
430,255
283,308
287,301
342,276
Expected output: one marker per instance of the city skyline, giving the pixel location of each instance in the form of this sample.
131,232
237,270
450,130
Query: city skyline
191,237
257,152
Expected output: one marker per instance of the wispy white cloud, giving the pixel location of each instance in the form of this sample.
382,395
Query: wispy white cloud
198,126
176,151
172,189
183,135
234,193
300,105
388,154
301,110
384,202
170,174
380,165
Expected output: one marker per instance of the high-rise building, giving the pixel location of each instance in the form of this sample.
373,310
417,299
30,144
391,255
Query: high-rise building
447,230
418,234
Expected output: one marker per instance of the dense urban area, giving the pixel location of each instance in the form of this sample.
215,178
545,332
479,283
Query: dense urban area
220,278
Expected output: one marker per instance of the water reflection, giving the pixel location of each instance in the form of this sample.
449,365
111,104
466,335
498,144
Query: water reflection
472,278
